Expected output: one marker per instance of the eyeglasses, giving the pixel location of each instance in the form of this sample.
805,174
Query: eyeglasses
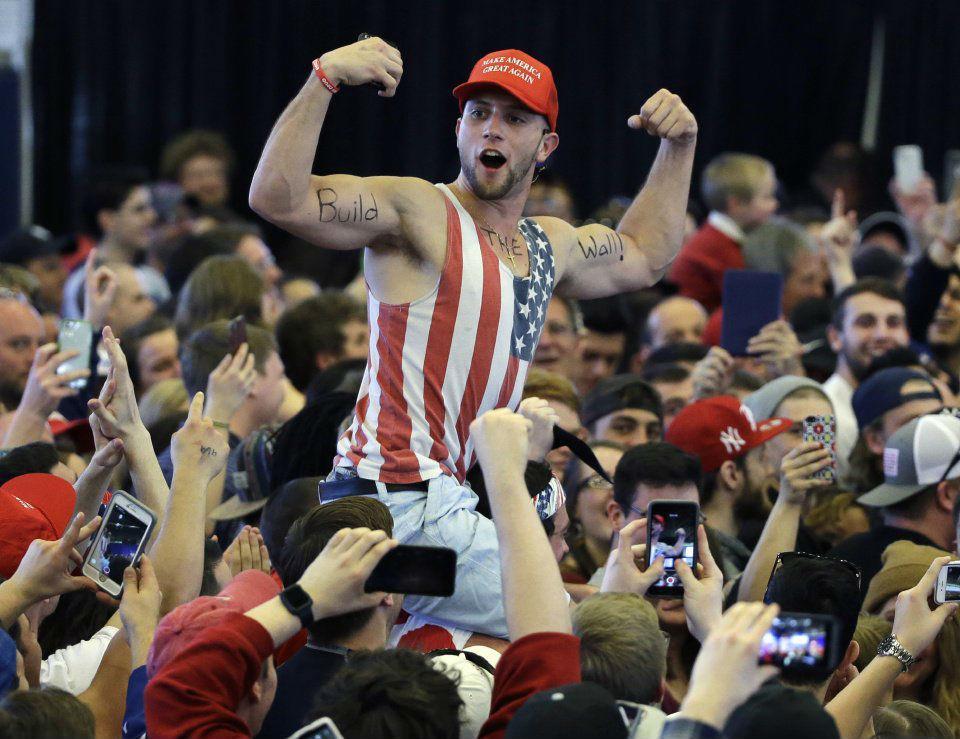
594,482
784,557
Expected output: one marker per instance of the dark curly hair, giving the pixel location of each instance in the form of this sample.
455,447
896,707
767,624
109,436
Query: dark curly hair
396,693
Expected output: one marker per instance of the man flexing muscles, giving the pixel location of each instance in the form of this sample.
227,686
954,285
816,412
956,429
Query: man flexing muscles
458,285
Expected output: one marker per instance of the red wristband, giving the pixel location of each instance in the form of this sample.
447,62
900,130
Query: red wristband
318,70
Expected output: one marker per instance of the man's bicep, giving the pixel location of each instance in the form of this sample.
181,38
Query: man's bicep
602,262
344,211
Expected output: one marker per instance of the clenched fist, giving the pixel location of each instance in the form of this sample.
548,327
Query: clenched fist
369,60
665,115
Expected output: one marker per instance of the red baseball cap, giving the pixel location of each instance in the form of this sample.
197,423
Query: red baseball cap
721,428
179,627
33,506
513,71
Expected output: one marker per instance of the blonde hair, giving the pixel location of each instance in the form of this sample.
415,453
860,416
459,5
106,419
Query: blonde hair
548,385
621,645
733,175
166,398
909,718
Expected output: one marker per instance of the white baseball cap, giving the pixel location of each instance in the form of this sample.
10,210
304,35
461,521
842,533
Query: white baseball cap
916,456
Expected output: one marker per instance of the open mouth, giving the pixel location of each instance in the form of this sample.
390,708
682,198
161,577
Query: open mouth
492,159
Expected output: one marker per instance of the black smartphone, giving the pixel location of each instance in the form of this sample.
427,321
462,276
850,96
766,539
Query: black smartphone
415,571
802,644
671,533
751,300
119,542
238,333
74,334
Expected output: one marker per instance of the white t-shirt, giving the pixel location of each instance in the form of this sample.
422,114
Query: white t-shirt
73,668
840,393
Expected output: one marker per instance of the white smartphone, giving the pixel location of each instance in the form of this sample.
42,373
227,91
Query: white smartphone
948,583
908,167
118,543
322,728
78,335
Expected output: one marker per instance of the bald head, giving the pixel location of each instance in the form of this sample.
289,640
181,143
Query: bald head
675,320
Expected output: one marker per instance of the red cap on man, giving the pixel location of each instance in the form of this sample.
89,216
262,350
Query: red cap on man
513,71
720,429
37,505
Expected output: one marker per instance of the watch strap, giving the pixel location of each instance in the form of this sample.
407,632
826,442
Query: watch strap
291,596
890,646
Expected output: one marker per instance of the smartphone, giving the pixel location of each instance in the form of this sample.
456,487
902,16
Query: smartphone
322,728
76,335
119,542
907,167
802,644
238,333
948,583
672,533
415,571
751,300
824,430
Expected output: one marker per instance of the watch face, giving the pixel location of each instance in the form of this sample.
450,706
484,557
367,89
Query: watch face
297,598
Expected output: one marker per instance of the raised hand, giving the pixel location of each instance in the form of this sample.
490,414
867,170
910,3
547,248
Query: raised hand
542,418
116,409
99,291
46,568
370,60
666,116
726,672
45,388
914,623
712,375
797,468
839,235
335,579
915,205
230,383
703,597
778,347
622,573
198,445
501,440
140,604
247,552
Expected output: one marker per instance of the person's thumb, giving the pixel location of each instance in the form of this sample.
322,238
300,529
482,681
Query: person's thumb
130,580
685,573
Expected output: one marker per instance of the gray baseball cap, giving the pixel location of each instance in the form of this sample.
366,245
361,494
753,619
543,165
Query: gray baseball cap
915,457
763,402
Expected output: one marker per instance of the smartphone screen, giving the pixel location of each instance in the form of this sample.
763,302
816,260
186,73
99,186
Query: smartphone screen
322,728
415,571
824,430
672,534
951,591
75,335
118,543
800,643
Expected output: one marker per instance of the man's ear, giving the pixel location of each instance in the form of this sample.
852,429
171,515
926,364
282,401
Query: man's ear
946,494
322,360
456,128
874,440
731,476
639,359
615,514
548,145
661,691
834,339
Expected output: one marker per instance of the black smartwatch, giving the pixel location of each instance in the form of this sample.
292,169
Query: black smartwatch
296,600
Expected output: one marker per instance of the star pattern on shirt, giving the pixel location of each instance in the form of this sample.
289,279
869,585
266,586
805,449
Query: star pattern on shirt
533,293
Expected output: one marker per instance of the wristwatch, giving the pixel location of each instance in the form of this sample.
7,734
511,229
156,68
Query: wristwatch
296,600
891,647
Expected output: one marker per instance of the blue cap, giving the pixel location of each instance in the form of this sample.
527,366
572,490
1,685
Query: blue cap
883,392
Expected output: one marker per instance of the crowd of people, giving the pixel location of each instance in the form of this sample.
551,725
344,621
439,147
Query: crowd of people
503,378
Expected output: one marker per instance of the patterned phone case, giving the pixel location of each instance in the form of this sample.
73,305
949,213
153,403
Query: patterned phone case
824,430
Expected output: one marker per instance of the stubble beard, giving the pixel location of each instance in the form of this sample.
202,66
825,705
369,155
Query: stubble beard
515,175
